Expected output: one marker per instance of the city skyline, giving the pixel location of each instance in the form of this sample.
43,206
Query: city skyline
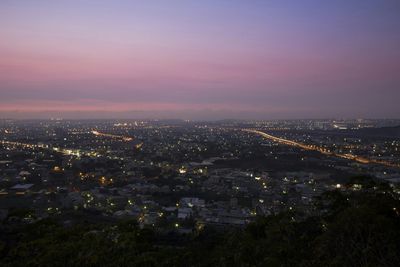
200,60
200,133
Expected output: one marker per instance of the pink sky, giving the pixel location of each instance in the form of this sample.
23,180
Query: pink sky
251,60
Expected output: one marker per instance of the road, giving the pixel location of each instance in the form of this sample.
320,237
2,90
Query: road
65,151
322,150
124,138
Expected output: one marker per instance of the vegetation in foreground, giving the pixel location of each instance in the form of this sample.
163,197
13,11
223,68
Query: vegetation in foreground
355,228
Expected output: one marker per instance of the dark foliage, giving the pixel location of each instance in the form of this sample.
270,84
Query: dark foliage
360,228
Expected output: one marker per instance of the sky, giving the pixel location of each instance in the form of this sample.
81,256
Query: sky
219,59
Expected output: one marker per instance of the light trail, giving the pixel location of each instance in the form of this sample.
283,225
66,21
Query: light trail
322,150
65,151
114,136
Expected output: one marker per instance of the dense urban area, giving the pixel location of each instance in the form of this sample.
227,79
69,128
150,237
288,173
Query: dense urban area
165,192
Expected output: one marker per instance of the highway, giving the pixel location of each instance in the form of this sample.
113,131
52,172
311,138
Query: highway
322,150
65,151
114,136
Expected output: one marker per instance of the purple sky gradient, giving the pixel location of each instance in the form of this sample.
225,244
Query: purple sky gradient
200,59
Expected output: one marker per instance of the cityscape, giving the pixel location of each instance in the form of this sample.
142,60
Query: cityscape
180,177
200,133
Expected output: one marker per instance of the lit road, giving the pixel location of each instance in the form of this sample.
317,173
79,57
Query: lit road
322,150
114,136
65,151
